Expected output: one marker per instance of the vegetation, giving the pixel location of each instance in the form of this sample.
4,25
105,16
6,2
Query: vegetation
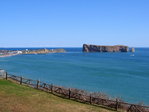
19,98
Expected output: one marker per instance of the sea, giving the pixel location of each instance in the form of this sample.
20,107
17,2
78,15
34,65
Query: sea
122,75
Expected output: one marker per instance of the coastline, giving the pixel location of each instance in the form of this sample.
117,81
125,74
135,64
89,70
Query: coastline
7,55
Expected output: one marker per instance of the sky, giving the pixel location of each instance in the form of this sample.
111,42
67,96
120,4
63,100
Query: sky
71,23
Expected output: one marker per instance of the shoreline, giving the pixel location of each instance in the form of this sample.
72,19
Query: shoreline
7,55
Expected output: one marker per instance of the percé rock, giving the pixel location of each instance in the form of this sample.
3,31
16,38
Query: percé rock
43,51
101,48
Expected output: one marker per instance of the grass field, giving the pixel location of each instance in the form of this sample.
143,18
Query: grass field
19,98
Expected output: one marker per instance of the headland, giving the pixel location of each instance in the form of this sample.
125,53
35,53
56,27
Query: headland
6,53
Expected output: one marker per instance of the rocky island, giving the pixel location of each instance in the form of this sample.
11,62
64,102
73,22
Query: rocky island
101,48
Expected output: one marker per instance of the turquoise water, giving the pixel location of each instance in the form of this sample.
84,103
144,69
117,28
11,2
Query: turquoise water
124,75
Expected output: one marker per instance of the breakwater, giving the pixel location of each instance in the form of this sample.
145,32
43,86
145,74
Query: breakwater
76,94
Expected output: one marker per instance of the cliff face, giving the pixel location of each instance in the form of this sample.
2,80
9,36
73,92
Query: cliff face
98,48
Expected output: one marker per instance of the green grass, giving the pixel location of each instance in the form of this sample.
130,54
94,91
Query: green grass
19,98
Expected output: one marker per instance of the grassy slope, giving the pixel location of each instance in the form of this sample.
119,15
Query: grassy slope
18,98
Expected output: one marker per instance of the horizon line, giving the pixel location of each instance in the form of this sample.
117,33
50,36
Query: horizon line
62,47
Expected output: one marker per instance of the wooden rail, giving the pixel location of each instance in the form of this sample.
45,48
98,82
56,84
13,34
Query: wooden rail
79,95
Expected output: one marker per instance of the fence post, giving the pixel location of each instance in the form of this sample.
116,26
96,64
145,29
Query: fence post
6,76
129,109
21,80
116,106
37,84
51,88
44,85
90,99
69,93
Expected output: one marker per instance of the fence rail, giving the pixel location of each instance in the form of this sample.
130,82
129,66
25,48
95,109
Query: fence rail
79,95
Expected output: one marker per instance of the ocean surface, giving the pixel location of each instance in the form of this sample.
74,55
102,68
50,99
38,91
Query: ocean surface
124,75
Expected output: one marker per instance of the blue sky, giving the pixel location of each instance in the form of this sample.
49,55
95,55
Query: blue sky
70,23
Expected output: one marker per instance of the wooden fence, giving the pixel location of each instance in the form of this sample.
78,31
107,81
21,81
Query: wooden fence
79,95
